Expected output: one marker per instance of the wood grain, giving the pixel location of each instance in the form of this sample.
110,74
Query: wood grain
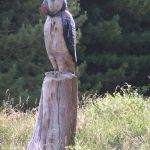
55,44
56,121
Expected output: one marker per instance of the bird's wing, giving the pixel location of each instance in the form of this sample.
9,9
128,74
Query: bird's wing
69,31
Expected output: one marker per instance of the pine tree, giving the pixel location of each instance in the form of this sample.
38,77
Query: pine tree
23,59
116,37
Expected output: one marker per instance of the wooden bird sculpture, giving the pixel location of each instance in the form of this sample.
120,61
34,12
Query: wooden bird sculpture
59,35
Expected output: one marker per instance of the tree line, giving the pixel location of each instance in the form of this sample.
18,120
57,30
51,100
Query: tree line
113,46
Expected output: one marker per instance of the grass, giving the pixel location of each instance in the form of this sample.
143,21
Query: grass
15,130
115,122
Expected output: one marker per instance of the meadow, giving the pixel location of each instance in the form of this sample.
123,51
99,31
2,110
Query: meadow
120,121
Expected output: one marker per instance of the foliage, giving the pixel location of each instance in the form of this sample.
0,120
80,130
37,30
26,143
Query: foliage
119,121
23,59
116,37
113,47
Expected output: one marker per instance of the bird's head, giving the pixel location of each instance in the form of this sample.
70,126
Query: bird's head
55,6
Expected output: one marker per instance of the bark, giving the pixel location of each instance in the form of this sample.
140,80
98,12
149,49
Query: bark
56,123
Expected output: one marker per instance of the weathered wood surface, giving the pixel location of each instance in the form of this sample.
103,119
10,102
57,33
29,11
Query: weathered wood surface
55,44
56,122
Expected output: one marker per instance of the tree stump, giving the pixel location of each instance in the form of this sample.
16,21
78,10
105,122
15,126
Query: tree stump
56,123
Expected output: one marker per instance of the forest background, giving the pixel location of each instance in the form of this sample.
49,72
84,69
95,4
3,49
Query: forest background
113,47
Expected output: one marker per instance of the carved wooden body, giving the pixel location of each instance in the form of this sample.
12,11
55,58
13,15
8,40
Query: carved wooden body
57,50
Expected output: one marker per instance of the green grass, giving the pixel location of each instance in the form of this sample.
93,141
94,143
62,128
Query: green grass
114,122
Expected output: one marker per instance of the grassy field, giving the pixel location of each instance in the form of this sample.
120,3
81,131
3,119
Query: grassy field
113,122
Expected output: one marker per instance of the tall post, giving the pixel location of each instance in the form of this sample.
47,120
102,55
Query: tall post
56,123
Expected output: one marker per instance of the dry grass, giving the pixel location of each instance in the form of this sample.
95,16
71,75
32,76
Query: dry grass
118,122
115,123
15,130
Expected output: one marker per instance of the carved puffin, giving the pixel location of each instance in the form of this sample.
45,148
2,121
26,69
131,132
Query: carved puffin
59,35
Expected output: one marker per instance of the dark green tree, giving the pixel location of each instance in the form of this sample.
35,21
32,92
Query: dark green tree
117,40
23,59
